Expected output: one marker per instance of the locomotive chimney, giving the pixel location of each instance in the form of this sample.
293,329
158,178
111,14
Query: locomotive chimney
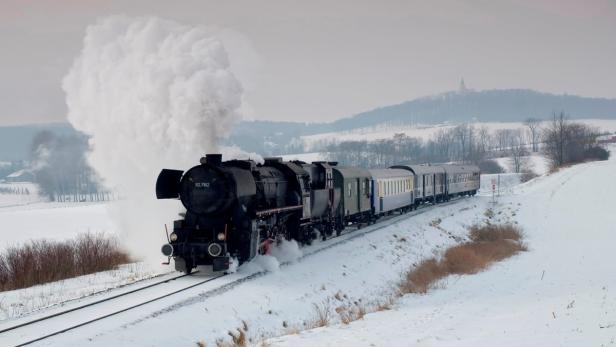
212,159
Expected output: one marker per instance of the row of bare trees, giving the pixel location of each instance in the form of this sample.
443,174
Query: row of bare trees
15,190
61,171
464,143
562,141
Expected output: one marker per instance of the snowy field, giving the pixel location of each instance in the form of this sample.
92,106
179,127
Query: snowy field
315,142
55,221
22,194
37,220
560,292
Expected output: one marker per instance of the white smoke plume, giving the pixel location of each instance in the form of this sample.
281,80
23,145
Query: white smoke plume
151,94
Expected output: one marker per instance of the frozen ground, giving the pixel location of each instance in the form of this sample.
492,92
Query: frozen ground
29,216
363,265
37,220
28,301
559,293
535,162
23,194
56,221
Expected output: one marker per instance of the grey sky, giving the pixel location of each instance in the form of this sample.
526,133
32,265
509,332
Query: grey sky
322,60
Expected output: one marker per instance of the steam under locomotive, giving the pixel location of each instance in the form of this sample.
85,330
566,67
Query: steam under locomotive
238,208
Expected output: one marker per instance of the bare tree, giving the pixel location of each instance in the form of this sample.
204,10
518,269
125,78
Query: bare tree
461,133
567,142
533,127
442,144
504,139
555,138
518,153
483,142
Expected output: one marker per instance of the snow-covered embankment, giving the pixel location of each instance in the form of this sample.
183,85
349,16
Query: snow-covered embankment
561,292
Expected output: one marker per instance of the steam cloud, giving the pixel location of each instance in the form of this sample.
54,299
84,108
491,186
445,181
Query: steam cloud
152,94
283,252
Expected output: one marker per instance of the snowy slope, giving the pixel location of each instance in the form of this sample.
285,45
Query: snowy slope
560,293
535,162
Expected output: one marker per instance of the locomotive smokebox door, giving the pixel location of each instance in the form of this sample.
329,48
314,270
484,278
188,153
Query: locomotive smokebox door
168,184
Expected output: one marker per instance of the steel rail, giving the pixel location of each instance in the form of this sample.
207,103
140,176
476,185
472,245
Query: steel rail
118,311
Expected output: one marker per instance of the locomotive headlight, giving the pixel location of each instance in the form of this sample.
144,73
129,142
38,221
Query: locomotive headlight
221,236
173,237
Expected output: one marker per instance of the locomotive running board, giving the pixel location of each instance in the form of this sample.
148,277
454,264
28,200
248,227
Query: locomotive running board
278,210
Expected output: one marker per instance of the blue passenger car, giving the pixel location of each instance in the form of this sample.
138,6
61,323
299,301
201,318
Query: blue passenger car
429,182
392,189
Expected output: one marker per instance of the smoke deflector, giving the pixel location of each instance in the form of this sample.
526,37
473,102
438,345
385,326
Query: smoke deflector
168,184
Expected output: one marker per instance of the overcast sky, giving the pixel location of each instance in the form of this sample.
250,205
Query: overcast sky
322,60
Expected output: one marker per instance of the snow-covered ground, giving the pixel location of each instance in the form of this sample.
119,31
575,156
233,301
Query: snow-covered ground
28,301
359,266
24,217
535,162
384,131
55,221
559,293
20,194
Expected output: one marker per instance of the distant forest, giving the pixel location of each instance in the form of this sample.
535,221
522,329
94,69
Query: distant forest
513,105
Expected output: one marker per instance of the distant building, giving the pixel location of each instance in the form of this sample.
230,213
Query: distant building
462,89
23,175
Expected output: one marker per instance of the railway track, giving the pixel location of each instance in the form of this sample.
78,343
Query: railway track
65,314
345,237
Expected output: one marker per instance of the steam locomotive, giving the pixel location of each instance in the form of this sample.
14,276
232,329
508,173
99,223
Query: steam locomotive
238,208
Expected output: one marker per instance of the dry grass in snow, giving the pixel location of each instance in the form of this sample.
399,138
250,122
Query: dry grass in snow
239,338
42,261
488,244
322,315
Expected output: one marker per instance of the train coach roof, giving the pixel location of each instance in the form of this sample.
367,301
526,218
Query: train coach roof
352,172
456,168
390,173
421,169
